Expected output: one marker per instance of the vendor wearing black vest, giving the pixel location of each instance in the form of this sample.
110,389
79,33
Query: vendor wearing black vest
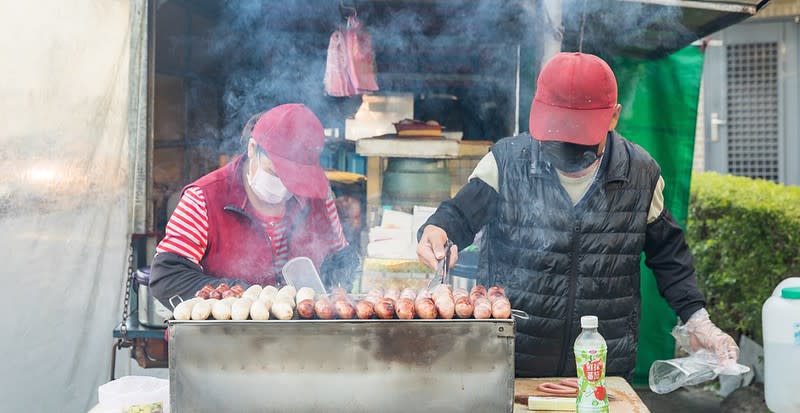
566,214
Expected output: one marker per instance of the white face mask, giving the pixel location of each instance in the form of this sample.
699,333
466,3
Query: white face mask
267,186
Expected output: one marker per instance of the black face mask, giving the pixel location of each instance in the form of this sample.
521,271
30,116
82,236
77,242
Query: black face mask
569,157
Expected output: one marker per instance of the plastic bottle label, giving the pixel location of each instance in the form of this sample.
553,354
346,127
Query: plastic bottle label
592,395
796,334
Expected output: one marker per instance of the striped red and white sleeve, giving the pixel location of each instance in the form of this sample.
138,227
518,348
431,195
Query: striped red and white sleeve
330,206
187,228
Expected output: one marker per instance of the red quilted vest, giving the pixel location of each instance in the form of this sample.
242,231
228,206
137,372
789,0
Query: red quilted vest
238,244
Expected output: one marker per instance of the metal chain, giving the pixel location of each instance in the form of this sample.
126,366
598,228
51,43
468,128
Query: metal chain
126,303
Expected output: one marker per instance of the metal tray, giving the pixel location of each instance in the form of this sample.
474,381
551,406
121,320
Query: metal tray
341,365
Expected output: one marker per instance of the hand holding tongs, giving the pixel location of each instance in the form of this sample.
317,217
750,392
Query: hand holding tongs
442,267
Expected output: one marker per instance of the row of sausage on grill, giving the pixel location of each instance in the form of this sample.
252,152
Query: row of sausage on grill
286,303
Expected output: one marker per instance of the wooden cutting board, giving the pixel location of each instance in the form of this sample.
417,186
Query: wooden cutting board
625,398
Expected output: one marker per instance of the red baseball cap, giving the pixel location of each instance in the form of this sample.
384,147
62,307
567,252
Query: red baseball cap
293,138
576,94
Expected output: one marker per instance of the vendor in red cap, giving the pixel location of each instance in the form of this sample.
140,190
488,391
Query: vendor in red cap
241,223
566,212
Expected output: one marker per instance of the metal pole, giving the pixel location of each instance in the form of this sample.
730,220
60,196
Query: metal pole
553,16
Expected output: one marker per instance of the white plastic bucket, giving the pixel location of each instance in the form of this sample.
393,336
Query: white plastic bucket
781,321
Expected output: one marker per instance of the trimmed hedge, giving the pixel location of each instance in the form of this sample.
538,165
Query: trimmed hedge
745,237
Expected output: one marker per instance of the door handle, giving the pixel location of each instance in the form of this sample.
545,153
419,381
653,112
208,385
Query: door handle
715,123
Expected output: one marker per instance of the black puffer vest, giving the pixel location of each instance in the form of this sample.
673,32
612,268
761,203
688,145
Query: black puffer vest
559,262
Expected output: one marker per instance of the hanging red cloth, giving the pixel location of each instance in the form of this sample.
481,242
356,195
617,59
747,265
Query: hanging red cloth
361,57
337,73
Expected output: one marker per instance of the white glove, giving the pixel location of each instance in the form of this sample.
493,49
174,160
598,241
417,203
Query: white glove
703,334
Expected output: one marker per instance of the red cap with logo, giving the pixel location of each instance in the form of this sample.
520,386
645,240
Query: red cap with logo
293,138
576,95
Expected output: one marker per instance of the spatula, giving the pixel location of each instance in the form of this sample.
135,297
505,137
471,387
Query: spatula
300,272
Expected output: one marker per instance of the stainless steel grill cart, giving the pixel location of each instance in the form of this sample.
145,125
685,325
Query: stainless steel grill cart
342,366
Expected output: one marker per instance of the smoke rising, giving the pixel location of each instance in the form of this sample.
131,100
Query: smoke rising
275,52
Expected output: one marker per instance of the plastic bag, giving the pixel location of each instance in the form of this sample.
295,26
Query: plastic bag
700,366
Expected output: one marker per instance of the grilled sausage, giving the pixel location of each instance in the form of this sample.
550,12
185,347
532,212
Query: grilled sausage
445,306
464,307
441,290
286,295
268,291
496,291
216,295
365,310
288,290
405,309
183,311
305,308
201,310
240,309
460,292
222,287
478,288
259,310
205,291
475,295
501,308
221,310
229,294
409,293
282,310
385,308
344,310
426,309
324,309
238,289
253,292
483,308
305,293
423,294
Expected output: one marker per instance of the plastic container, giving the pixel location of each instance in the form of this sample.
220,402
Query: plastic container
781,321
590,359
151,312
131,391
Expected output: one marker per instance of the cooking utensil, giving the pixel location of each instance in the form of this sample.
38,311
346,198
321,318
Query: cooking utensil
300,272
442,268
151,312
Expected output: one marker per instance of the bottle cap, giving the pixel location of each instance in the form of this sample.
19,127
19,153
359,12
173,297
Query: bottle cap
589,321
792,293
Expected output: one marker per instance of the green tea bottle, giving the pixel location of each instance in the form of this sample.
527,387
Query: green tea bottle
590,358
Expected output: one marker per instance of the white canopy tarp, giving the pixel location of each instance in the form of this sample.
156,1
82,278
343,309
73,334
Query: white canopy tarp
65,196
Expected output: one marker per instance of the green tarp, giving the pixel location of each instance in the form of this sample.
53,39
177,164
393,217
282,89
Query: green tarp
659,111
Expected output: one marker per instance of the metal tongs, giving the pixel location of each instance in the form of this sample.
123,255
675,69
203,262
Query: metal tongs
442,274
